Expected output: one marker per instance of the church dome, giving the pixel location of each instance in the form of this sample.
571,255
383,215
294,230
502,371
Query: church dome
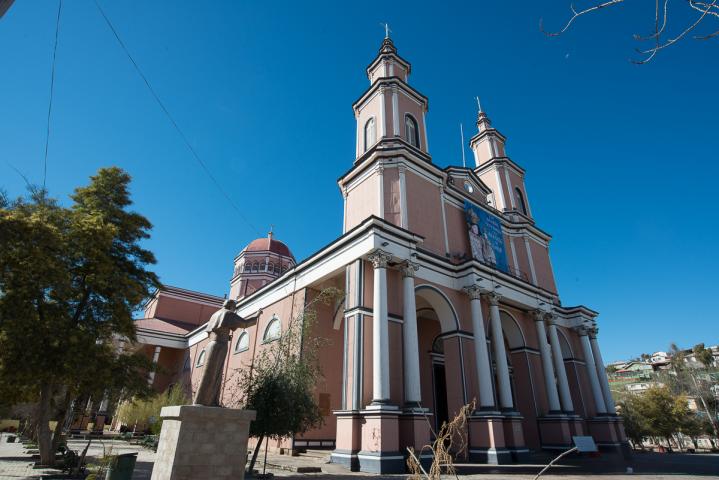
268,244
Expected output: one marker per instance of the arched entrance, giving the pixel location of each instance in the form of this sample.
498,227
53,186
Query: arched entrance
525,366
441,356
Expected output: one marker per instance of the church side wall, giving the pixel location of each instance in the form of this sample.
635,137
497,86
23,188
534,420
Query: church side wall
424,212
542,266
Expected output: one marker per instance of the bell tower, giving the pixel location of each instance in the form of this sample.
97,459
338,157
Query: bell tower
504,177
390,108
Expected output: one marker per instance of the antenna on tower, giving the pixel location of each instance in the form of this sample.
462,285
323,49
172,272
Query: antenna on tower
461,134
386,29
479,105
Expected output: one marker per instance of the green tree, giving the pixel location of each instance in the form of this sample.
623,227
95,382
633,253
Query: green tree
70,279
661,412
703,355
635,424
280,384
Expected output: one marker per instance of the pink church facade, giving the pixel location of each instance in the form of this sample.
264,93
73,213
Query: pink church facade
450,299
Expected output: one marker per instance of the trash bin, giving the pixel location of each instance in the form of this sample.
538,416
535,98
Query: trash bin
122,467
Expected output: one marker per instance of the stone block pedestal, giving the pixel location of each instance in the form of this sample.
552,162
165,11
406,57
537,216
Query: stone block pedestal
380,441
608,433
348,440
496,438
555,432
202,442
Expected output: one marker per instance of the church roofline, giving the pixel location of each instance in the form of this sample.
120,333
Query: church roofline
184,294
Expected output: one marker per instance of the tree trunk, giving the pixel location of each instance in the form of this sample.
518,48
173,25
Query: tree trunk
61,417
255,452
81,459
44,438
264,464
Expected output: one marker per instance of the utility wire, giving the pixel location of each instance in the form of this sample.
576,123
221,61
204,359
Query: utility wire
52,89
174,123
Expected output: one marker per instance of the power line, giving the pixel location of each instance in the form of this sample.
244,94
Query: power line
173,122
52,89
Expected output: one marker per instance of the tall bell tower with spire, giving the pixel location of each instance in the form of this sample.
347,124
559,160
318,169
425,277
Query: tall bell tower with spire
390,110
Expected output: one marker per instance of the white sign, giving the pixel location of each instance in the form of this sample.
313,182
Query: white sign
584,444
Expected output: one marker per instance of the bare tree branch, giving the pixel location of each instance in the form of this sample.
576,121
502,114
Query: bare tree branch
686,30
661,24
576,15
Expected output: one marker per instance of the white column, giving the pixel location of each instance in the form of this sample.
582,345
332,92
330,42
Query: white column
564,394
550,383
155,358
500,354
601,372
380,329
481,355
410,340
592,371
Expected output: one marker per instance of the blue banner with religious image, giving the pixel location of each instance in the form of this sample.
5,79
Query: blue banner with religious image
486,237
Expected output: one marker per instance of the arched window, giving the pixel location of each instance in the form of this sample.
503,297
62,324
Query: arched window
243,342
247,267
370,134
200,359
271,268
254,267
411,132
273,330
520,201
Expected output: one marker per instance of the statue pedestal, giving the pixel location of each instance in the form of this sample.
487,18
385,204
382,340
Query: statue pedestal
202,442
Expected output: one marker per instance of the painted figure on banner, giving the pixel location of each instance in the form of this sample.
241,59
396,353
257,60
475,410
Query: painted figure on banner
486,237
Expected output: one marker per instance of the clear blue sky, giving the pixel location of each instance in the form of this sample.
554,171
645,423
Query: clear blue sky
621,160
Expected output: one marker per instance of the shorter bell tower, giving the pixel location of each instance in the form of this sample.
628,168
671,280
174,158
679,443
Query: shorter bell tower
492,165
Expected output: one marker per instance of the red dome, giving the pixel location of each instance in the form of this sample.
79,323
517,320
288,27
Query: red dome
268,243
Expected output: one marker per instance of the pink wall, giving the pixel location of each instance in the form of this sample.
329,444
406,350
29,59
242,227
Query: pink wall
424,212
362,201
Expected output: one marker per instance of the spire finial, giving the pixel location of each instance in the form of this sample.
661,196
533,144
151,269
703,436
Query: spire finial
269,235
479,105
386,29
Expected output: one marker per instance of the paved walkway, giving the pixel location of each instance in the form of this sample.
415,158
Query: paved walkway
16,464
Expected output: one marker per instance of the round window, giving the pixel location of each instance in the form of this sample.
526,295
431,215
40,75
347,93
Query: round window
468,186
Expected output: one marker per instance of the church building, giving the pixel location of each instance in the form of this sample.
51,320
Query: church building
449,299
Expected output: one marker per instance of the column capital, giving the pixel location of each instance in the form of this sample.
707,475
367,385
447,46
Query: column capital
593,331
551,320
539,315
582,330
492,297
408,268
379,258
473,291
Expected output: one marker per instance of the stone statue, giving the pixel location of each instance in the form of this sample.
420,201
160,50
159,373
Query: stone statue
219,327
